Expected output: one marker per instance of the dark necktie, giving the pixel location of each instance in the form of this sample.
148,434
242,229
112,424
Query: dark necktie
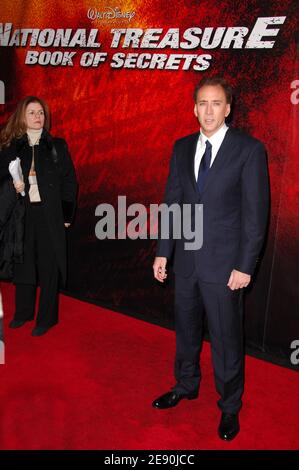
204,167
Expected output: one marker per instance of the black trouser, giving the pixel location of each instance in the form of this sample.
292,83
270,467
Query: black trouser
224,314
39,264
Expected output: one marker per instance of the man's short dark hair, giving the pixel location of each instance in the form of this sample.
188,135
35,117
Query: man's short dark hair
214,81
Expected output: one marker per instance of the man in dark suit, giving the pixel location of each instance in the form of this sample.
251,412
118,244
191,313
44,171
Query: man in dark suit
225,170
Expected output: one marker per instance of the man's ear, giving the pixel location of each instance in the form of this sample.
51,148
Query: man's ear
195,110
227,110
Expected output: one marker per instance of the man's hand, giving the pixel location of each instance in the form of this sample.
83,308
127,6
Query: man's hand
19,186
67,225
159,268
238,280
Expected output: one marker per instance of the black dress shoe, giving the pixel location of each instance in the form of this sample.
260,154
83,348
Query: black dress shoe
171,399
40,330
229,426
16,323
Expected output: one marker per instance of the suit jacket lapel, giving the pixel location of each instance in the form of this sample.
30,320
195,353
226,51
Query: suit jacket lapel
191,156
222,156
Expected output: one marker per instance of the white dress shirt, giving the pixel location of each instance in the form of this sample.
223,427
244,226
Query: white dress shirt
215,140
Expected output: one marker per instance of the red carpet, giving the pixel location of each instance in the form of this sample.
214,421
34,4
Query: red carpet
89,383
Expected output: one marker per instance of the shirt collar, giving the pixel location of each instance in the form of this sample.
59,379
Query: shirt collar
216,138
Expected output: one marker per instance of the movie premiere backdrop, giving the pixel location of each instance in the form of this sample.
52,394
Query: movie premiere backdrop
119,78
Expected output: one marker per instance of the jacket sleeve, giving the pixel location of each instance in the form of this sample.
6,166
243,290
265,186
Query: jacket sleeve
255,209
7,154
173,195
8,199
69,186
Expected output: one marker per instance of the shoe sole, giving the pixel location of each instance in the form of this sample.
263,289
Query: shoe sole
192,397
229,438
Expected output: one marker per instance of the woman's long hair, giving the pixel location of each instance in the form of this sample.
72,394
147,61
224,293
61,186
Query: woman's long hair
15,126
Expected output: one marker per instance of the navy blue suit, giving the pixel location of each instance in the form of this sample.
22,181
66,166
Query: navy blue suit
235,212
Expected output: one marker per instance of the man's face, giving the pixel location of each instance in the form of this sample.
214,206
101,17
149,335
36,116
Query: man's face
211,108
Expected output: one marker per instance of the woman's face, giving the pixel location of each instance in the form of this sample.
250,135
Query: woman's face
34,116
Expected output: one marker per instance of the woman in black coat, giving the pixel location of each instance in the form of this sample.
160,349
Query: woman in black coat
50,186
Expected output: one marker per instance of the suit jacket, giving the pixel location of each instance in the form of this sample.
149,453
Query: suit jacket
235,207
